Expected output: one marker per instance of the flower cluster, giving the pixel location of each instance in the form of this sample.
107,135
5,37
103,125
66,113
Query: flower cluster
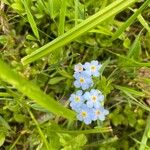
88,104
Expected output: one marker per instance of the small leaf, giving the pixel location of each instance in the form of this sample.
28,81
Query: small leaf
56,80
2,139
30,37
148,134
19,118
17,6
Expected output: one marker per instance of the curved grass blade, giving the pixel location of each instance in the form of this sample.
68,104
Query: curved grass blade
78,30
32,91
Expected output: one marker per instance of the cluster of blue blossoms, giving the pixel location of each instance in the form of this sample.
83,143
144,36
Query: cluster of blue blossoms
87,103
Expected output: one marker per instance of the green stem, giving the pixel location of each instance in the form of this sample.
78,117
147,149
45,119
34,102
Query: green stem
39,129
145,137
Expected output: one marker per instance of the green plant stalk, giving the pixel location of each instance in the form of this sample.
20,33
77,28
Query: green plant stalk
145,137
90,131
39,129
18,138
78,30
130,20
3,94
62,17
33,91
61,27
76,2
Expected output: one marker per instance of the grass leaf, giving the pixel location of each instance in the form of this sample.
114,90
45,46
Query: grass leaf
33,91
31,19
130,20
78,30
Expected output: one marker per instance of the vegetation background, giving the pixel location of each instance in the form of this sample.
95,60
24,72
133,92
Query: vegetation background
41,41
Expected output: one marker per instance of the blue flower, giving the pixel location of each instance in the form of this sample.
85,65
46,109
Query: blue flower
92,68
83,80
100,113
85,114
78,68
76,100
94,98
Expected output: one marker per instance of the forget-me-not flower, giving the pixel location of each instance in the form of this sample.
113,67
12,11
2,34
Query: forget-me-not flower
100,113
78,68
94,98
76,100
92,68
83,80
85,114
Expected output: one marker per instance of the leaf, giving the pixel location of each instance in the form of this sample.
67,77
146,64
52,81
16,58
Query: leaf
134,51
130,90
19,118
56,80
53,7
17,6
2,139
72,142
4,123
130,21
31,19
33,91
3,39
78,30
148,134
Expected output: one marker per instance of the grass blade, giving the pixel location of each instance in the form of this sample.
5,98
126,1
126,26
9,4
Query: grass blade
129,90
76,11
62,18
145,137
130,20
135,50
33,92
31,19
78,30
144,23
90,131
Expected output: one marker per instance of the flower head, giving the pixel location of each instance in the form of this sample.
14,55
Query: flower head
83,80
78,68
94,98
100,113
85,114
76,100
92,68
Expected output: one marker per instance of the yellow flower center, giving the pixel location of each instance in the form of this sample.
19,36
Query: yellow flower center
84,114
80,69
82,80
77,99
97,112
93,68
94,98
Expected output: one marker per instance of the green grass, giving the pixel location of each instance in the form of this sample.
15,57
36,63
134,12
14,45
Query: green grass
41,41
